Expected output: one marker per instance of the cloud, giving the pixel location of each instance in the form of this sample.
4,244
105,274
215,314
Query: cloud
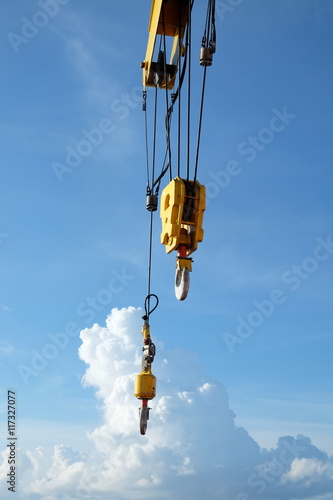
4,307
192,448
308,471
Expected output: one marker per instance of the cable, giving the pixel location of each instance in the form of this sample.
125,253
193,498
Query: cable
179,100
176,95
148,311
154,139
199,125
188,95
150,191
144,108
167,123
150,252
208,41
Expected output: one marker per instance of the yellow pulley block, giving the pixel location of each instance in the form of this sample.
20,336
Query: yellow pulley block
182,207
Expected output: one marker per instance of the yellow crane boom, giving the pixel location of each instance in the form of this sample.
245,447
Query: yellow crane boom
166,18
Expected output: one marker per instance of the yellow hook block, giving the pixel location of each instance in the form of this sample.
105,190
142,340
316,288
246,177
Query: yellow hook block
182,207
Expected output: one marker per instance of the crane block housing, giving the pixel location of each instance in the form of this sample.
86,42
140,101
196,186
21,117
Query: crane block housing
182,207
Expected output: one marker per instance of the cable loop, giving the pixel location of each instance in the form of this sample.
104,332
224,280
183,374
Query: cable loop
149,311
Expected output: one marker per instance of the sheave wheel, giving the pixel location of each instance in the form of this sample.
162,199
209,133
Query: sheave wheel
182,283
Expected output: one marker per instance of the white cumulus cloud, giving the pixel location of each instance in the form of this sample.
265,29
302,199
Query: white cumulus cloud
309,471
192,448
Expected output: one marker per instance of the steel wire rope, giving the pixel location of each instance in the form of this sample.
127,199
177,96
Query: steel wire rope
188,93
150,191
179,99
209,39
210,30
149,262
176,96
199,124
144,107
167,121
154,139
150,248
155,129
148,311
207,24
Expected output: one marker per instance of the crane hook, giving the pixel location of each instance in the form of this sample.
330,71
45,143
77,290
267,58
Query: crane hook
144,416
145,381
182,277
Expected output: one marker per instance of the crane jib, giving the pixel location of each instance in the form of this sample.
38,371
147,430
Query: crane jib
167,19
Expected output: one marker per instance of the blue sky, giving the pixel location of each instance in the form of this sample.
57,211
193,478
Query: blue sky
72,250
